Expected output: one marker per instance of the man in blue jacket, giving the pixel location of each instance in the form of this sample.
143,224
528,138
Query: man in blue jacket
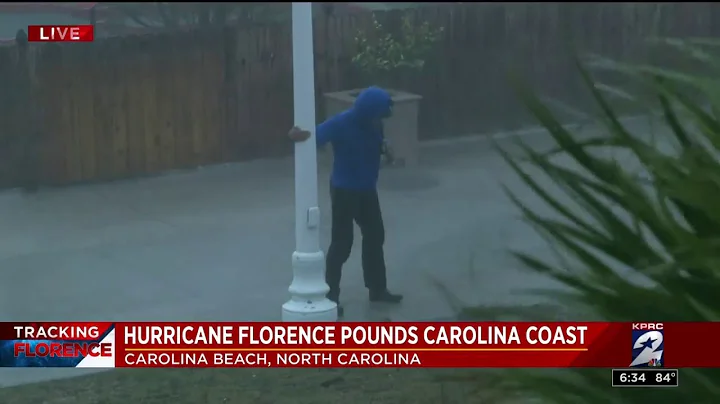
356,136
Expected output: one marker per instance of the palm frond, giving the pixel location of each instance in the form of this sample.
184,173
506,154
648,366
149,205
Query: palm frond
633,250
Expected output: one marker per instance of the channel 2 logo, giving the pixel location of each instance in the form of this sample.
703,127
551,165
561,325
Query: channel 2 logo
647,345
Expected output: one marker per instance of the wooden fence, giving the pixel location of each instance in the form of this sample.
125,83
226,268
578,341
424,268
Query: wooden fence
130,106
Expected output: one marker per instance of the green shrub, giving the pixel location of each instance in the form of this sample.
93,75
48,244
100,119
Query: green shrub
382,56
659,223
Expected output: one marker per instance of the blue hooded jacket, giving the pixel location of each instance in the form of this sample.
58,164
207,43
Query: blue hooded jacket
357,140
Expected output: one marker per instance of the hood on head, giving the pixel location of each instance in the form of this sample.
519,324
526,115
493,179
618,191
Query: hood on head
373,103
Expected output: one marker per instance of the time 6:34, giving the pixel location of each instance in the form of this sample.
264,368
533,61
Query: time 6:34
647,377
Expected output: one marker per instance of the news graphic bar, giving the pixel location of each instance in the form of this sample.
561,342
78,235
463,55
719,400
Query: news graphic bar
61,33
350,345
641,347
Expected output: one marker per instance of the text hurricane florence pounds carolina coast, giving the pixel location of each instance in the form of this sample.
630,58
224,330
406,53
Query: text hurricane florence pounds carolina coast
340,334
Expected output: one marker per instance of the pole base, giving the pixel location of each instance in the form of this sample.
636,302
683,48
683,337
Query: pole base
319,311
308,290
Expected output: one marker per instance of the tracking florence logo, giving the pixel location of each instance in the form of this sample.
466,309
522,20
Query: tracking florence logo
647,345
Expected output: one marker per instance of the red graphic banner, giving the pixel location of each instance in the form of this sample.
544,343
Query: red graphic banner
471,345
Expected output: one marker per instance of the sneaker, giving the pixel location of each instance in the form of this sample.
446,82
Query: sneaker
385,297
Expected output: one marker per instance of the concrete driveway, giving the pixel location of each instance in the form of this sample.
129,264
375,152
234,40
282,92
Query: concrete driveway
215,244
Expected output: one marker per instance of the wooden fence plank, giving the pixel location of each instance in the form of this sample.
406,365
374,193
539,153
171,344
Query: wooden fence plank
134,114
121,139
168,58
150,108
70,98
244,134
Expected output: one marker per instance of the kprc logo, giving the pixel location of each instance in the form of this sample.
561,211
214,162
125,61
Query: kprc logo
647,345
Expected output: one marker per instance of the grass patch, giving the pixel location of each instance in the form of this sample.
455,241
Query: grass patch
256,386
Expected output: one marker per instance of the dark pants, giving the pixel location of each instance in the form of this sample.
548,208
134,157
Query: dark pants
363,208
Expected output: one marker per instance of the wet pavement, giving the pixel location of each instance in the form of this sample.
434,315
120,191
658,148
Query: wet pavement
215,243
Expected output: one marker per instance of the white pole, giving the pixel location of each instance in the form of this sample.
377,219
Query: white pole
308,288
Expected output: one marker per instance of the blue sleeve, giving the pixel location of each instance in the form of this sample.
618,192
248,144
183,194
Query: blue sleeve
327,131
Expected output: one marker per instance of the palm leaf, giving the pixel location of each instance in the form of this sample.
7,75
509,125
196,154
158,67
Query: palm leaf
630,250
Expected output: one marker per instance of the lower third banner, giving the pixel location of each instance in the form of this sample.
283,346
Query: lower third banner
370,345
